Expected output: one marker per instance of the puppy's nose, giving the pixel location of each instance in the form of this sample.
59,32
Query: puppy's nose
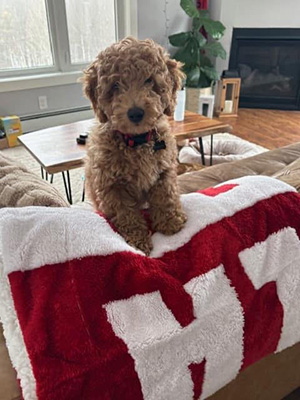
135,114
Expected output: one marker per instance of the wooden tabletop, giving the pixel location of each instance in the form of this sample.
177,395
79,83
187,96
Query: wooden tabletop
56,148
196,125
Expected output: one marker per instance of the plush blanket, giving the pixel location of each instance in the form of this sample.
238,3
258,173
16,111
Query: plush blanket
86,316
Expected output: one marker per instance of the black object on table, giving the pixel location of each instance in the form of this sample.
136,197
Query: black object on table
82,138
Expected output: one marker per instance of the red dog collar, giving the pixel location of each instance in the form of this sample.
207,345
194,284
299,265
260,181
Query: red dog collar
137,140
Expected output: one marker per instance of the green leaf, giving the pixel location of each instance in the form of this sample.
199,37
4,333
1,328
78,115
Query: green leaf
180,55
179,39
210,72
204,13
200,39
193,77
196,24
214,28
193,49
190,8
205,61
189,55
216,50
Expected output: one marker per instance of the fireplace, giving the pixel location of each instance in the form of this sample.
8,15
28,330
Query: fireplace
268,62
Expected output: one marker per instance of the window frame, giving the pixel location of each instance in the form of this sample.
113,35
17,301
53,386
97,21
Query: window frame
125,24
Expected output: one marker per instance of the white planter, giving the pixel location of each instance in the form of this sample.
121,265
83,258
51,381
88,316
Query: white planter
193,95
180,106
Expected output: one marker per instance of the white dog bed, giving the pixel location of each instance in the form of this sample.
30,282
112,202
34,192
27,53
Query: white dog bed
226,147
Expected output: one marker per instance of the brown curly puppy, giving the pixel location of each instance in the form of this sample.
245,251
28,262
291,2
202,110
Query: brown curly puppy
131,155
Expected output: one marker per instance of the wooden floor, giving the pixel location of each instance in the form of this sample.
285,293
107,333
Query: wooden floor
268,128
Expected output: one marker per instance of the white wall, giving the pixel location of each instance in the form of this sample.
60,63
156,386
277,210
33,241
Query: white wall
253,14
152,20
25,102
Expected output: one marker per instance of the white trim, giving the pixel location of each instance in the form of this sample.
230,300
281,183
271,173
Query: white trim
132,18
59,32
38,81
35,124
127,18
14,338
55,228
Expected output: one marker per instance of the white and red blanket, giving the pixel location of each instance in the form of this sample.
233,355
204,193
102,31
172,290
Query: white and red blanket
86,316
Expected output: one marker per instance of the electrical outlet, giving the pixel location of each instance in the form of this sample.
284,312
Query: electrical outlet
43,104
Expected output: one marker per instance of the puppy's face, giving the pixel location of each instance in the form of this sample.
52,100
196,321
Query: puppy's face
132,84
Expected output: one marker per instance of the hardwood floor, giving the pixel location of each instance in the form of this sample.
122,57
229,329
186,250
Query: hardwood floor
268,128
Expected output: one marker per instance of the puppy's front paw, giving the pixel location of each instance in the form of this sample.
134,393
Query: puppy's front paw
141,243
172,225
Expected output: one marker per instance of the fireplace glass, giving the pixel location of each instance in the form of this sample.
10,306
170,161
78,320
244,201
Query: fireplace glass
268,63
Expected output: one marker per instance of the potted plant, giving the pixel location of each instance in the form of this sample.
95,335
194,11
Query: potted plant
195,49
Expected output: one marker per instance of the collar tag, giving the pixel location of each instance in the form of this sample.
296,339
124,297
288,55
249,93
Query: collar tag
159,145
130,142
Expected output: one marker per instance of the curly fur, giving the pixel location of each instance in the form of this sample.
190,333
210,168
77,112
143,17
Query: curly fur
121,179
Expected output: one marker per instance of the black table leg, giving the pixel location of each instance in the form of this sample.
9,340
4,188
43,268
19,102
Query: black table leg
45,175
67,183
201,150
83,192
211,149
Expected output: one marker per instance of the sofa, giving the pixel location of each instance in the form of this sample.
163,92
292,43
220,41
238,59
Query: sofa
273,377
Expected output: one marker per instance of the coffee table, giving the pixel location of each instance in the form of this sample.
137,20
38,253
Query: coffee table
57,151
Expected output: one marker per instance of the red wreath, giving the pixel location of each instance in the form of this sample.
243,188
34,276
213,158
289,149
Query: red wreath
202,4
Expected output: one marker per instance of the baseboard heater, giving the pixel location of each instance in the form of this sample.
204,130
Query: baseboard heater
44,120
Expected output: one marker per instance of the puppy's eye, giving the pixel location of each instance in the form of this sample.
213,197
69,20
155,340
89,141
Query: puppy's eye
149,80
115,86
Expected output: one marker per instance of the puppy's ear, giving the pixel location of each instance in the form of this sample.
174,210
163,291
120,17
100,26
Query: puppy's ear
90,88
177,76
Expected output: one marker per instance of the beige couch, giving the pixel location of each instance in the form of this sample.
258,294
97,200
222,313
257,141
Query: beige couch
273,377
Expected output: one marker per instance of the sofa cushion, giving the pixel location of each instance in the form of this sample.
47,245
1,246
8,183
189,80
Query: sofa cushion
268,163
20,188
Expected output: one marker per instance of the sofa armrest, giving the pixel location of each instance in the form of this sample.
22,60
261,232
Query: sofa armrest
20,188
9,389
290,174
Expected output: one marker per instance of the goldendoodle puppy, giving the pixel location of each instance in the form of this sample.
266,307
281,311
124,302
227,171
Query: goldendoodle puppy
131,155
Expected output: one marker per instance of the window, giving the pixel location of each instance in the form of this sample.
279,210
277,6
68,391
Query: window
91,26
24,36
42,36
